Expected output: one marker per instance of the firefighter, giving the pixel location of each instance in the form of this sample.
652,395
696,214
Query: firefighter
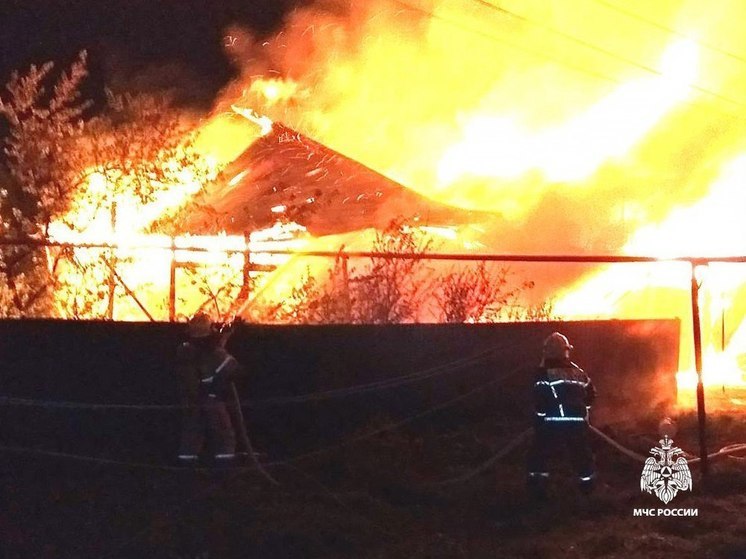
563,395
207,371
243,443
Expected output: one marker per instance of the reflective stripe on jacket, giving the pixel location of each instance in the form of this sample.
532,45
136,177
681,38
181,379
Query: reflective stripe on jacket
562,392
204,370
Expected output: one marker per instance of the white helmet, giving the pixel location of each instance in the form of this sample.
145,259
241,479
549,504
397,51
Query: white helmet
557,346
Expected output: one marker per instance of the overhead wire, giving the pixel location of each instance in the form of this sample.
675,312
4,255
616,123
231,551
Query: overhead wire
670,30
535,52
563,61
606,52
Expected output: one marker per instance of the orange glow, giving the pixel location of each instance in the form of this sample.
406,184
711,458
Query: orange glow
568,127
274,90
711,226
108,212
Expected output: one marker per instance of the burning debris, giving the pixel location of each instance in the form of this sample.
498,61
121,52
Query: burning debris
286,174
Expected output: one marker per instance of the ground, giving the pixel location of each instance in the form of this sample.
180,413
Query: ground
376,498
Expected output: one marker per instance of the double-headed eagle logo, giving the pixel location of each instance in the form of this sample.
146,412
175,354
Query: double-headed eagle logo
667,475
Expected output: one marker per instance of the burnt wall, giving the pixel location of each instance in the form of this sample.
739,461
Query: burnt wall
632,364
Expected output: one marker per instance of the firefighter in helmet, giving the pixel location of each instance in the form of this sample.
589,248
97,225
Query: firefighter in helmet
206,373
563,395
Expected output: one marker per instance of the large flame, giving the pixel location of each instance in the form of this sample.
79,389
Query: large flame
578,124
713,226
499,147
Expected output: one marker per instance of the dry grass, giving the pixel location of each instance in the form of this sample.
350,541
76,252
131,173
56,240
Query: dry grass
374,500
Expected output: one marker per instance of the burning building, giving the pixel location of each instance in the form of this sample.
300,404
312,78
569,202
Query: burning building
516,128
286,175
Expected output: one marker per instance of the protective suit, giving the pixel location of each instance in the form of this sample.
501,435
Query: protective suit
207,392
563,395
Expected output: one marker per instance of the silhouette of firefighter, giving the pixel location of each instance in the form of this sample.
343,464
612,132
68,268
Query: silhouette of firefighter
212,412
563,395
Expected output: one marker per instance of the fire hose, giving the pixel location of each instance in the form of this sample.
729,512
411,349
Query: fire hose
514,443
393,382
357,439
728,450
522,437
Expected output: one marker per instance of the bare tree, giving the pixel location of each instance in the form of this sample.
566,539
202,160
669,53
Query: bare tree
517,312
383,290
466,293
392,290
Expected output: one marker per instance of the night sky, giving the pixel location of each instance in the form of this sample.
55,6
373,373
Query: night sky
135,44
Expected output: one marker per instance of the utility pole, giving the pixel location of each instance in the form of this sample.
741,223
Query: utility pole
701,413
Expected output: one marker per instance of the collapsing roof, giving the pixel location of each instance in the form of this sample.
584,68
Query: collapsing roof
285,174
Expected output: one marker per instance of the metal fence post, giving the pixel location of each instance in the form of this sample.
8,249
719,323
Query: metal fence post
701,413
245,290
172,283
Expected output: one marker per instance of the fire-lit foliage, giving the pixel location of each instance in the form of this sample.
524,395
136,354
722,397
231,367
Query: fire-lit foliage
397,290
43,172
79,177
380,291
137,150
475,293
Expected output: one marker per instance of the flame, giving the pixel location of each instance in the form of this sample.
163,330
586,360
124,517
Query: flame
90,218
501,147
143,262
264,122
274,90
224,136
576,129
711,226
135,264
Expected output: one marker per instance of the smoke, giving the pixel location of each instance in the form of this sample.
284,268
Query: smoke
542,113
574,124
